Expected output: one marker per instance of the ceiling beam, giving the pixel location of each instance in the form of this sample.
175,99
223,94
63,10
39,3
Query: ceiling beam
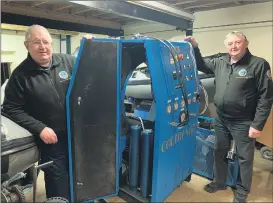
196,4
62,7
146,12
16,19
237,2
164,8
82,11
40,3
54,15
202,5
182,2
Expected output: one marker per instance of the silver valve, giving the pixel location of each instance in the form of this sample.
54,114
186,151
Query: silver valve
232,152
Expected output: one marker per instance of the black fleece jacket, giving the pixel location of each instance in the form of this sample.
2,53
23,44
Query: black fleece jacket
244,90
35,97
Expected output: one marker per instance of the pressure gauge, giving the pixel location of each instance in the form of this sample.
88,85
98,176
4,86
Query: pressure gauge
182,116
175,106
187,132
194,99
182,104
169,109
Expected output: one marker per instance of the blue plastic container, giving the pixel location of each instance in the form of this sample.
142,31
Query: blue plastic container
204,158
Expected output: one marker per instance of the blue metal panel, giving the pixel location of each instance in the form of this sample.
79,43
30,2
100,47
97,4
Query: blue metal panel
71,145
68,116
174,144
171,141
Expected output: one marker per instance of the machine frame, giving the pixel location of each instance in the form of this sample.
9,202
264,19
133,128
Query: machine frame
173,87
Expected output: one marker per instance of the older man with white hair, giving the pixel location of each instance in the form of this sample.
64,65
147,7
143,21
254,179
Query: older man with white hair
243,99
35,99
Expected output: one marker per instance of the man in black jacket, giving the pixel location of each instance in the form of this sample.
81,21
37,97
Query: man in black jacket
35,99
243,99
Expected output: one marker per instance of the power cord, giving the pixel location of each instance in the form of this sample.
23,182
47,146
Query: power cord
186,120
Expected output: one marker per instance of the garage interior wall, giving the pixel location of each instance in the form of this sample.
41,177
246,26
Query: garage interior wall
76,39
157,30
13,49
210,40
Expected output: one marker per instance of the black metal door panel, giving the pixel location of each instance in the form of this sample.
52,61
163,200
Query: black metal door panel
91,108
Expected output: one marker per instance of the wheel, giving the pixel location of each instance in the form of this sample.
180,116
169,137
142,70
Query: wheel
56,200
19,192
267,153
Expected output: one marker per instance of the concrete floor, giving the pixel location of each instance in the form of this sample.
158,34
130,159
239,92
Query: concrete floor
262,190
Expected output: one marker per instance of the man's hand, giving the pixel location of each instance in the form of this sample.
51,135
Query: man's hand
88,37
191,40
48,136
253,133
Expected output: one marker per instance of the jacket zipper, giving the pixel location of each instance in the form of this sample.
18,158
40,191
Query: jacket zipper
228,80
59,98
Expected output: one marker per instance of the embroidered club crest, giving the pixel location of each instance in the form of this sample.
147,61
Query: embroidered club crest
63,75
242,72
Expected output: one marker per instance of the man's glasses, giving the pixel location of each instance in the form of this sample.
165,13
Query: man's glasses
40,42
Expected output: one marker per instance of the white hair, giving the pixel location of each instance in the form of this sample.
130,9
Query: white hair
237,33
32,27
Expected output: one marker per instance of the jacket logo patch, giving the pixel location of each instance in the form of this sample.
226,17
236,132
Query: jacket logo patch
63,75
242,72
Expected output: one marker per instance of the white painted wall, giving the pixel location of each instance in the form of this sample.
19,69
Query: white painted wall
211,39
13,49
75,40
157,30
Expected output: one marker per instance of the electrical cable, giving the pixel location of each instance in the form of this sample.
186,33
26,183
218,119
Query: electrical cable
200,84
186,120
195,66
206,99
141,123
195,73
166,80
181,83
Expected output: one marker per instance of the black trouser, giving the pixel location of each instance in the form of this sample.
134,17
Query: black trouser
56,176
237,130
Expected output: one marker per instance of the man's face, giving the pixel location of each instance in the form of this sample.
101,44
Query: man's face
39,46
236,45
